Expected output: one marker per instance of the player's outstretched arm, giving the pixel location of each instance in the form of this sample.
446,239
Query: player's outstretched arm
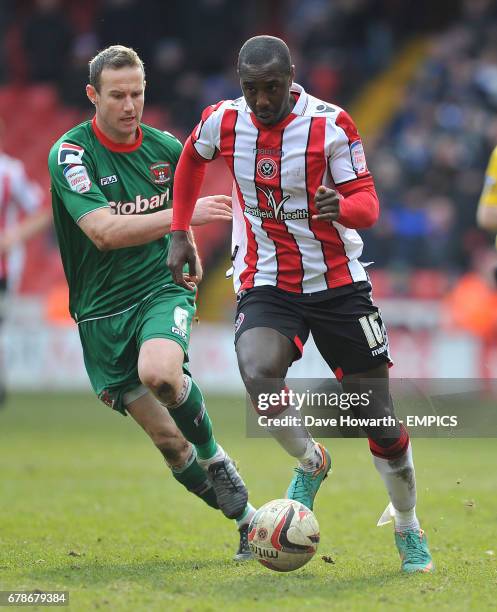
108,231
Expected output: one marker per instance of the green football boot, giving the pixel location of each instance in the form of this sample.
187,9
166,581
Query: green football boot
305,485
413,550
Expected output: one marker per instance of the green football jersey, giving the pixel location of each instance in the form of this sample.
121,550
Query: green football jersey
88,172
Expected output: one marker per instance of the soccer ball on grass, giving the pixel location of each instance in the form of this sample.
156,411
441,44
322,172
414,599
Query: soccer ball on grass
283,535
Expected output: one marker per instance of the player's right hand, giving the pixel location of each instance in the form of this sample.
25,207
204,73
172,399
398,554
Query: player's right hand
212,208
181,251
327,202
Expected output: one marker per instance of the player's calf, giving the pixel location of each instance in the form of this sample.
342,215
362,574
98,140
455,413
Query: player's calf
396,467
193,478
175,449
314,460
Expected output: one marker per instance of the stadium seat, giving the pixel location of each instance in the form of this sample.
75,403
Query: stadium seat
429,284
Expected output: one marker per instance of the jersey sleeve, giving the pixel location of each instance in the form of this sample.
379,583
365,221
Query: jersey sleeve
73,179
175,147
206,135
188,179
489,194
26,193
347,161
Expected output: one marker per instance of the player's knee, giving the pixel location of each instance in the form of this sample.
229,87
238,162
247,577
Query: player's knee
262,380
257,375
165,383
258,381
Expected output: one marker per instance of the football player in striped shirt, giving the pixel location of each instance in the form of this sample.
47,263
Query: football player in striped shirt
22,216
302,189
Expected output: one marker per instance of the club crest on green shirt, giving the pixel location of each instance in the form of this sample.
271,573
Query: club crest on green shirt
161,173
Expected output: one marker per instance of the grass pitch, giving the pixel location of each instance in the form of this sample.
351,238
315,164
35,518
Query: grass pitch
87,505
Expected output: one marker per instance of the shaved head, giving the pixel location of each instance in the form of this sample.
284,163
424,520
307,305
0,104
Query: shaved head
262,50
266,76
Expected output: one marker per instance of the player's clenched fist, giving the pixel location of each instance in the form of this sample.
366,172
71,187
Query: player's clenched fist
327,203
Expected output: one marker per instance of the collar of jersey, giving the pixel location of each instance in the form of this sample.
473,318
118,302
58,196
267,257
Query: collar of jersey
116,147
298,109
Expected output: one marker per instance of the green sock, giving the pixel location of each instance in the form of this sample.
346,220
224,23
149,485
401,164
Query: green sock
246,516
193,478
193,421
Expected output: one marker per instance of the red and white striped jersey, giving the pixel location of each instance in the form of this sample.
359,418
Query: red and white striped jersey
277,170
18,194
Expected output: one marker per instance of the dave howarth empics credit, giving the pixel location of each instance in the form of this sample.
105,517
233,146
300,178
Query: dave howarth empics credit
348,420
348,411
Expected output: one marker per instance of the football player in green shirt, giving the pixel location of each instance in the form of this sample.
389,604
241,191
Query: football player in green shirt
112,181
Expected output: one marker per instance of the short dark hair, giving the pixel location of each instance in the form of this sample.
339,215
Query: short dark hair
261,50
116,56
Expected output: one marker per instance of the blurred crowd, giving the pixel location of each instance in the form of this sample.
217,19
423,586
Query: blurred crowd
189,48
428,164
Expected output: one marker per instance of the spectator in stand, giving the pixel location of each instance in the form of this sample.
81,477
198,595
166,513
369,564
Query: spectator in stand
47,38
441,139
6,15
118,21
471,305
216,22
166,68
75,72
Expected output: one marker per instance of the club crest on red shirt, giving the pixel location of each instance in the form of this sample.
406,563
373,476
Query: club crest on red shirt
267,168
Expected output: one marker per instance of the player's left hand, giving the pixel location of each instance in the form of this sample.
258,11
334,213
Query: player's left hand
197,278
327,203
181,251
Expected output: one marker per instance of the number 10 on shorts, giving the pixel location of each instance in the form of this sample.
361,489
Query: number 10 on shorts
372,329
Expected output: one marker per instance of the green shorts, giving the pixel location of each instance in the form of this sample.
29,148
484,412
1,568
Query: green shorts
111,344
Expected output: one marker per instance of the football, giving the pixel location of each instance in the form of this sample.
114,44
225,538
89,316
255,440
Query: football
283,535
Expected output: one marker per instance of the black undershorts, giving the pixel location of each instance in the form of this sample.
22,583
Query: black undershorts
345,324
